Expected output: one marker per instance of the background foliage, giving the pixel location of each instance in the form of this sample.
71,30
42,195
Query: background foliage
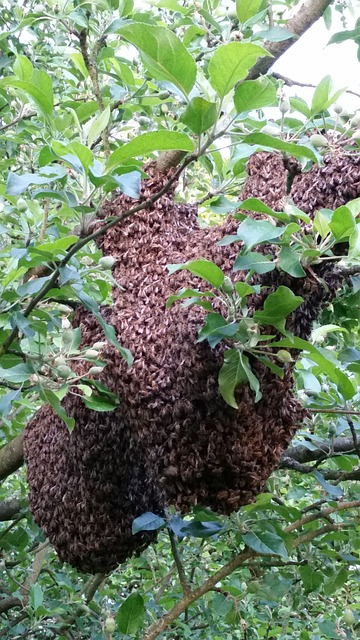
89,91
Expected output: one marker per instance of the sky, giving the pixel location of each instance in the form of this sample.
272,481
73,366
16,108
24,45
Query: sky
309,60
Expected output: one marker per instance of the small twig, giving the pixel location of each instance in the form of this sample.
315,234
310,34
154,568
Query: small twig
270,14
338,476
34,573
341,411
324,513
44,220
290,83
178,562
353,433
310,535
5,632
94,77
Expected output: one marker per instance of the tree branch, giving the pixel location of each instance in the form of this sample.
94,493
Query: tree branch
338,476
9,603
324,513
302,454
308,13
158,627
11,457
178,562
290,83
10,508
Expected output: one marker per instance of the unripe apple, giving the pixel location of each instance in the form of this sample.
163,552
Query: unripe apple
317,140
109,625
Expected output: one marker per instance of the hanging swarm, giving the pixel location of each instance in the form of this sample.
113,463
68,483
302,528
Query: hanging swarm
173,434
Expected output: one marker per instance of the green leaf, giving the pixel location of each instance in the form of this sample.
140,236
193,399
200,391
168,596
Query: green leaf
23,68
322,98
200,115
221,605
234,373
109,331
342,223
130,616
277,307
216,328
188,293
147,522
255,94
200,529
17,374
231,63
289,261
265,542
98,125
100,403
35,596
50,397
39,89
335,491
7,400
32,286
79,63
324,358
336,582
311,578
275,34
163,54
253,232
255,262
246,9
341,36
146,143
293,149
202,268
299,104
17,184
254,204
243,289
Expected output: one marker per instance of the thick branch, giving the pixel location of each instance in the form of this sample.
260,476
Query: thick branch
11,457
9,603
302,454
10,508
308,13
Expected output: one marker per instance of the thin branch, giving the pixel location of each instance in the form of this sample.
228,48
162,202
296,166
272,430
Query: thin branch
178,562
341,411
290,83
338,476
44,220
270,14
324,513
353,434
94,77
311,535
34,572
163,623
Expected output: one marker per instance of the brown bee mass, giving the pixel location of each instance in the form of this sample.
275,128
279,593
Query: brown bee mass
173,439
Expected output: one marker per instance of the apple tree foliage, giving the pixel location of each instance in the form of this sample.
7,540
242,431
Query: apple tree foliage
88,92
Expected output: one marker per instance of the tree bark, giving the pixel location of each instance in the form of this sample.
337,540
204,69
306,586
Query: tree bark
11,457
